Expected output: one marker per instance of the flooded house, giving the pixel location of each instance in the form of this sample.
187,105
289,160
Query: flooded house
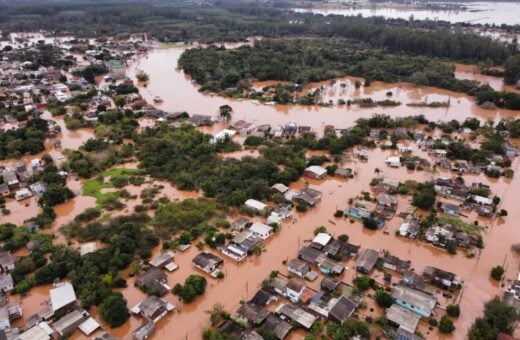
321,303
440,278
293,314
153,281
256,206
4,189
439,236
6,283
253,314
41,331
261,230
11,179
70,322
330,267
386,205
329,284
360,210
414,300
279,284
200,120
38,188
234,251
367,260
153,308
298,267
164,260
22,194
207,262
409,229
315,171
240,224
342,310
449,209
7,261
144,331
344,173
309,196
63,298
402,318
279,327
279,188
263,297
311,255
321,240
341,249
394,263
294,290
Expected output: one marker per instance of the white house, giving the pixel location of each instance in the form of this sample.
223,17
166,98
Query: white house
261,230
394,161
221,135
315,171
22,194
256,205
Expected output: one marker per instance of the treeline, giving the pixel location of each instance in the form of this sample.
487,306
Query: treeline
24,140
301,61
229,21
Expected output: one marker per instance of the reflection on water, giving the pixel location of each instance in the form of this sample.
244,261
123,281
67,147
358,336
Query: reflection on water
180,94
479,12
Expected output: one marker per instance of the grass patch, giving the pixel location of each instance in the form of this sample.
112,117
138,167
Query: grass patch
94,187
460,225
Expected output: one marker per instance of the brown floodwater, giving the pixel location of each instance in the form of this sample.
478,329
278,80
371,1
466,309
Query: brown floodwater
181,94
242,280
463,71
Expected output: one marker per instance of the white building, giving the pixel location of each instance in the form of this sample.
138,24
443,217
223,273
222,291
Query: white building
261,230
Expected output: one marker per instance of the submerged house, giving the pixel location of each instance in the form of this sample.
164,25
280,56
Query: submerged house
414,300
153,281
367,260
207,262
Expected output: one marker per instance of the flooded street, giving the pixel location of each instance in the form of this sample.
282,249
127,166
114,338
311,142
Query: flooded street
180,94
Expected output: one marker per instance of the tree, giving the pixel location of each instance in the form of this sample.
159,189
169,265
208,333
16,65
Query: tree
424,197
225,112
446,325
497,272
55,194
512,70
499,317
363,282
384,299
114,310
194,286
142,76
453,310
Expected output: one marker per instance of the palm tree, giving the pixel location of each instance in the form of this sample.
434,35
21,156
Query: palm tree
225,112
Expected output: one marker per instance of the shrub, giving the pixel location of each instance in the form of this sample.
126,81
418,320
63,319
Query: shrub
446,325
497,272
453,310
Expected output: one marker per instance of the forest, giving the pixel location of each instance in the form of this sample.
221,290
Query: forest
232,21
301,61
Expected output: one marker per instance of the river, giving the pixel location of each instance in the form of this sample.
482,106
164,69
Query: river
478,12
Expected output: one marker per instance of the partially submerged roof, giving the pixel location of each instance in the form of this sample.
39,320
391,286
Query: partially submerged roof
89,326
62,296
403,317
414,297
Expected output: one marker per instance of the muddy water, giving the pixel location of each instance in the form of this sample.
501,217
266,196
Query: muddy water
463,71
243,279
479,12
180,94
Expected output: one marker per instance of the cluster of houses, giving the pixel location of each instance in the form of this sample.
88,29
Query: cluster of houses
61,317
15,180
